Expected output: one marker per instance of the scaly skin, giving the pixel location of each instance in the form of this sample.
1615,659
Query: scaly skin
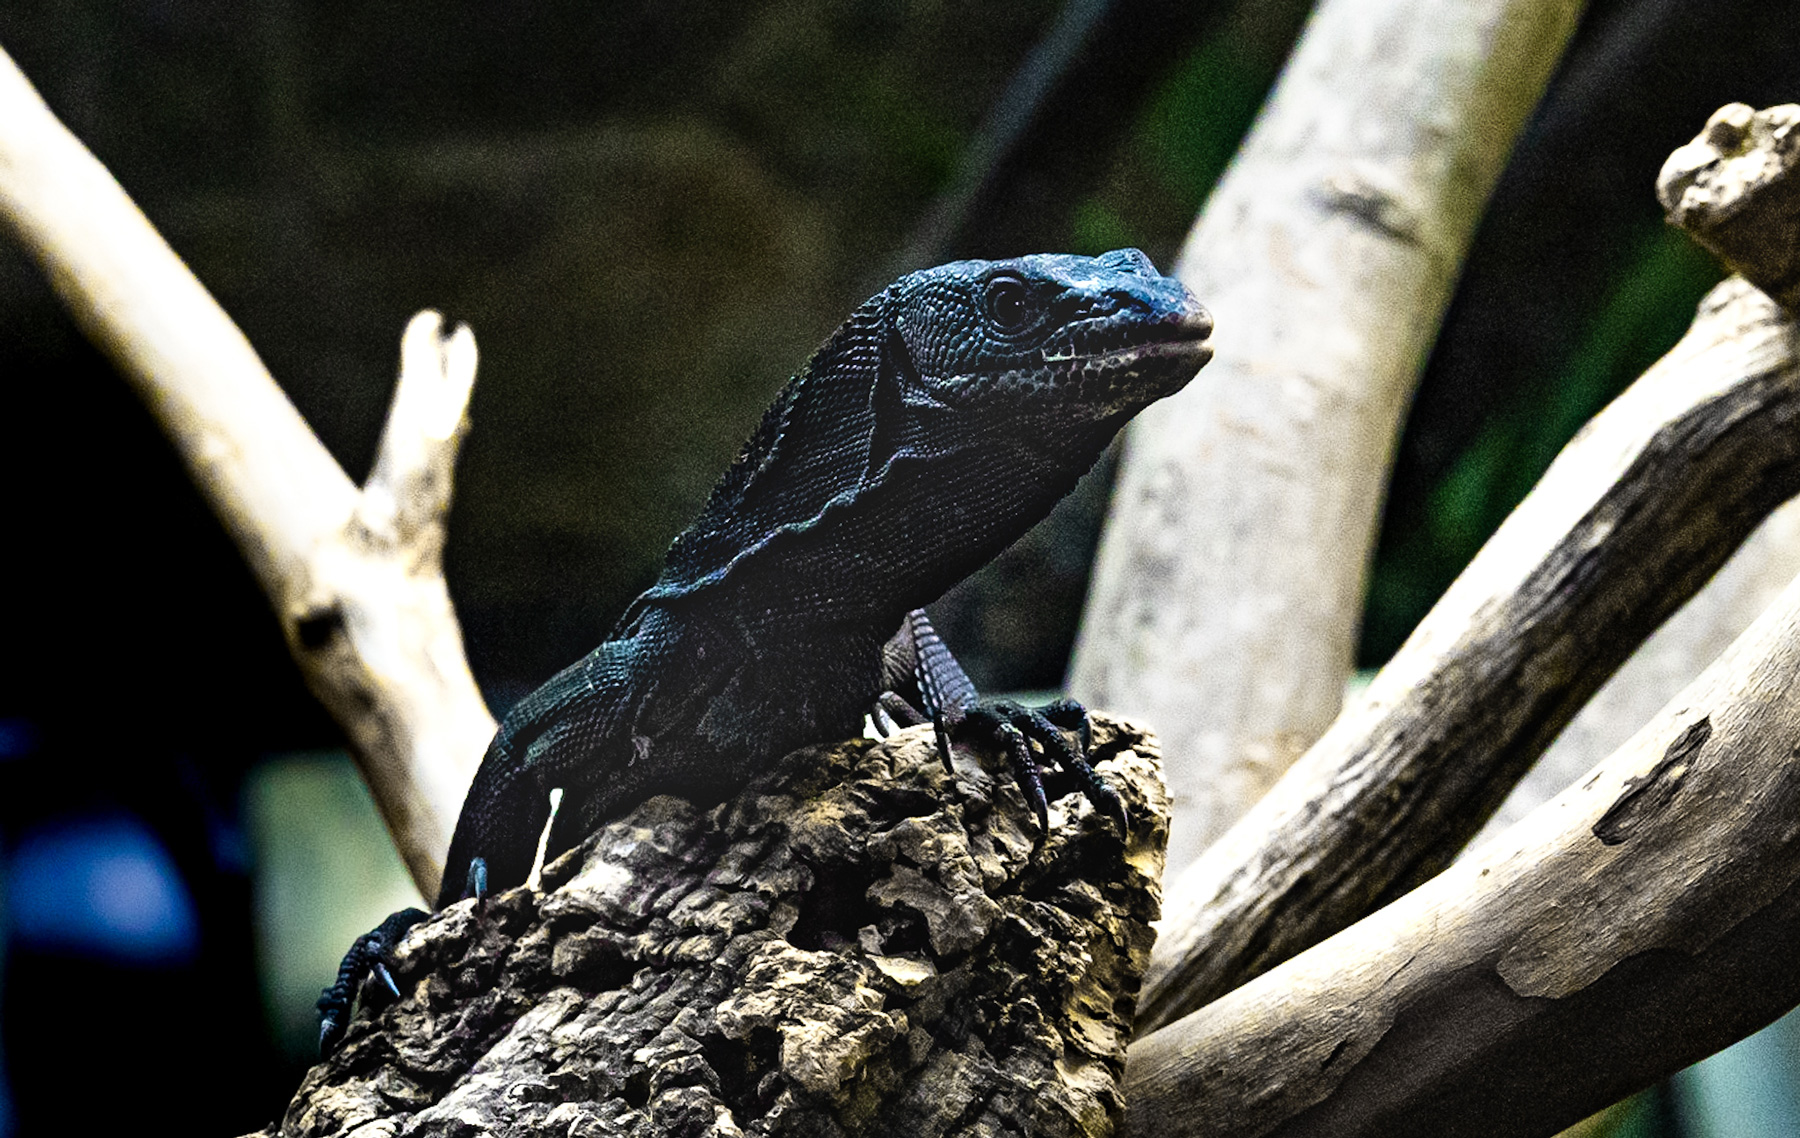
945,417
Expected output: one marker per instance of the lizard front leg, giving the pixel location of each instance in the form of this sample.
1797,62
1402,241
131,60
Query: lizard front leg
542,743
954,707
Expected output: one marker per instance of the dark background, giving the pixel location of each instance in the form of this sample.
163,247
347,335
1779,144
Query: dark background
649,212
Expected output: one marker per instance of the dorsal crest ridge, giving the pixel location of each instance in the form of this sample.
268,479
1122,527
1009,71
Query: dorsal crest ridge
817,435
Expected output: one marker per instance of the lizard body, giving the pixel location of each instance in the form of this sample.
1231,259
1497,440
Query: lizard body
947,415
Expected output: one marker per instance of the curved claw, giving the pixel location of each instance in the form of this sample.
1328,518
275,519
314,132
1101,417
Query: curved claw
1016,726
369,956
942,726
1025,769
476,883
892,713
1072,716
381,973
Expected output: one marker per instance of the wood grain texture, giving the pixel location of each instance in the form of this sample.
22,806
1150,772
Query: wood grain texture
1667,662
1630,521
1736,189
857,944
1230,580
1639,921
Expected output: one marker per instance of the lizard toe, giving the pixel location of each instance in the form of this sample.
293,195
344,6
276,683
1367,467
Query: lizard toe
369,957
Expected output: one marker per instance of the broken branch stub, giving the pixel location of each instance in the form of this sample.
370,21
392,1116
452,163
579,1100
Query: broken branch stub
354,575
1736,190
857,944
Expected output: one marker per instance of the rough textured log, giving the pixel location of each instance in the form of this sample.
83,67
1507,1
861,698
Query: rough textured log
857,944
1230,581
1639,921
1629,522
355,575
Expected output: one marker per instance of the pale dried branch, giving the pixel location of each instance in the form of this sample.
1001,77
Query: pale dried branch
1636,514
1645,917
1641,920
355,577
1632,518
1230,581
1729,188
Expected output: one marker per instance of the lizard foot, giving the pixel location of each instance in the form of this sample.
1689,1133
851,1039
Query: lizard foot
1016,727
371,955
368,958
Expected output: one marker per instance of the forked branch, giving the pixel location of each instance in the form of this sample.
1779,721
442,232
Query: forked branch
355,576
1633,924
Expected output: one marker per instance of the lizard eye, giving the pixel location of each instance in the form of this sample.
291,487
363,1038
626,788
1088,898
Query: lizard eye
1008,303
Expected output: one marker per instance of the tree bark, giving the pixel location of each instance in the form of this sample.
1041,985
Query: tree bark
1641,920
355,576
1226,597
1668,661
857,944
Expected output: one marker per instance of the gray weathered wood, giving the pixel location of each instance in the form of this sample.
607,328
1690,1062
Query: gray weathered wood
1728,188
1668,661
857,944
1632,518
1230,581
354,574
1641,920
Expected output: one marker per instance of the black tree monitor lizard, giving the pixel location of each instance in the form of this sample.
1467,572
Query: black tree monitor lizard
946,416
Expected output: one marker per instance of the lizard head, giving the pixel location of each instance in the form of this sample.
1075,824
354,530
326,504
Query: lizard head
948,413
1093,337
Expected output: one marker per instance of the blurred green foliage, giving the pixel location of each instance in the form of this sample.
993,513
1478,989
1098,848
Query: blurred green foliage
1646,310
1180,145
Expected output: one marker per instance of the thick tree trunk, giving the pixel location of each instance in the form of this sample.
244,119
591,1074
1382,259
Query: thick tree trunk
858,944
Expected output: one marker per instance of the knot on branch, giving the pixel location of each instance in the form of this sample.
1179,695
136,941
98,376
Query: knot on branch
859,943
1734,189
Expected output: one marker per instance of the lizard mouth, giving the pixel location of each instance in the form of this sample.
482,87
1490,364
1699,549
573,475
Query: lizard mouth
1106,364
1114,341
1177,344
1197,349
